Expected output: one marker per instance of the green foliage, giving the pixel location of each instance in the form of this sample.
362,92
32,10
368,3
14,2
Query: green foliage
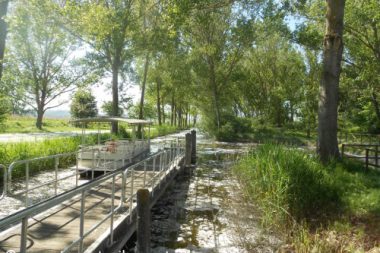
107,109
83,105
26,124
233,128
162,130
4,109
297,196
26,150
288,185
123,133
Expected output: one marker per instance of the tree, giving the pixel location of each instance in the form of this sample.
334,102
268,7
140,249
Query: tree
3,32
4,108
83,105
329,86
41,50
107,27
107,108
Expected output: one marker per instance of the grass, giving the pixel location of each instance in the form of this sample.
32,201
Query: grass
26,124
10,152
317,208
280,136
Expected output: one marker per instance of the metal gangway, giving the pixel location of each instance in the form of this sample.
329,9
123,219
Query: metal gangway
89,215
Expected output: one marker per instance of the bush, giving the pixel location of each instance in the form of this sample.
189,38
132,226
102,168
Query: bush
288,185
4,109
123,133
233,128
83,105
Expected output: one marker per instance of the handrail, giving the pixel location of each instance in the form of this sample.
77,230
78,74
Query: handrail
367,148
167,158
98,161
27,162
4,180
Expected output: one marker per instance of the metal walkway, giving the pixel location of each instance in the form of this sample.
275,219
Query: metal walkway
96,216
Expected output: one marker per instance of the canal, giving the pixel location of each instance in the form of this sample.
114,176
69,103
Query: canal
204,209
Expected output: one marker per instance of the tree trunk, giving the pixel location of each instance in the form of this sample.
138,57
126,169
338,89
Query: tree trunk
40,116
214,93
172,111
180,117
158,102
115,92
3,32
141,113
175,115
329,86
376,105
163,111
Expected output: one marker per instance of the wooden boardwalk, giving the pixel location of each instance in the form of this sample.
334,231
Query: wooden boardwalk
59,226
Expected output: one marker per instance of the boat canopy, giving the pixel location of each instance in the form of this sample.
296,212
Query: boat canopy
113,119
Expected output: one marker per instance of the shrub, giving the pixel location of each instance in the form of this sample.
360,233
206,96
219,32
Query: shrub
83,105
233,128
288,185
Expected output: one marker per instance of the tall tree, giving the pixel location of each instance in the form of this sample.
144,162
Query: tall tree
42,53
106,26
329,86
3,32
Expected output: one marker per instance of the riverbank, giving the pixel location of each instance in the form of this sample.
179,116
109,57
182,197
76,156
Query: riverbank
312,207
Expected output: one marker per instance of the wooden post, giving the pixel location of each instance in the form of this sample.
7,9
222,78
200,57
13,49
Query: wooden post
188,150
366,158
193,147
343,150
143,221
377,155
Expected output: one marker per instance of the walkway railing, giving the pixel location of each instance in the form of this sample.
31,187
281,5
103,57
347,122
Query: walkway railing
368,153
2,167
24,169
360,138
158,164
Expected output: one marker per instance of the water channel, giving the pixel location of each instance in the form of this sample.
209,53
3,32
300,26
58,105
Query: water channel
203,211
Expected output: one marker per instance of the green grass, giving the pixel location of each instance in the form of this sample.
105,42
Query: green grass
10,152
26,150
308,203
162,130
26,124
280,136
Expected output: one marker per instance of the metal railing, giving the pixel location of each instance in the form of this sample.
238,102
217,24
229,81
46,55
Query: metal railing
25,166
161,163
365,152
4,181
97,162
362,138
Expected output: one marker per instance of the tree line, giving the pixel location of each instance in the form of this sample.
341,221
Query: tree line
222,62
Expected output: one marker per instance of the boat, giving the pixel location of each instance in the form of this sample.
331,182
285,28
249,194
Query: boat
112,154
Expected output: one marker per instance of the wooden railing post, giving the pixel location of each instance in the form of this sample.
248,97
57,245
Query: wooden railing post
377,155
143,221
366,158
193,147
343,150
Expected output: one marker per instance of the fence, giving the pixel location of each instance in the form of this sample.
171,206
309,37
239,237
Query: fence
369,153
362,138
122,182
